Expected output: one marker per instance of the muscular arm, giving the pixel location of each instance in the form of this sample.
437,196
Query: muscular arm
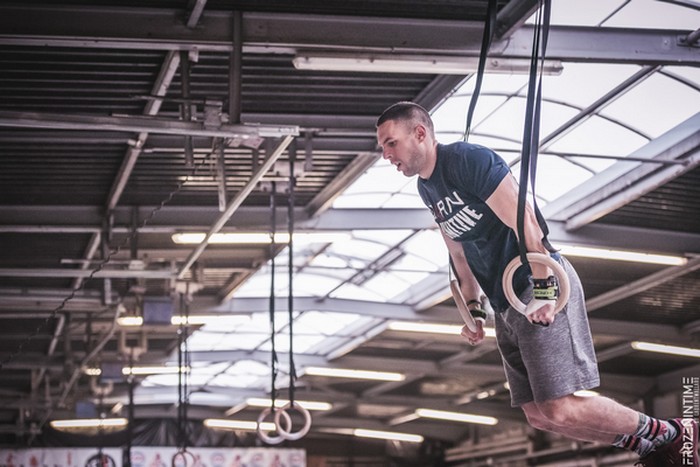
467,282
504,203
468,285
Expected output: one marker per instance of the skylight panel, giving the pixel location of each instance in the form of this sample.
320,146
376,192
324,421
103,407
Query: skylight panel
201,341
382,177
302,343
361,200
389,284
599,137
414,263
452,116
327,323
654,14
242,340
578,13
319,283
386,237
360,249
236,381
581,84
403,201
656,105
352,292
428,245
248,367
508,120
556,176
690,73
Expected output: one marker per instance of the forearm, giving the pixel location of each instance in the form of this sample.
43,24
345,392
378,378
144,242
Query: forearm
471,290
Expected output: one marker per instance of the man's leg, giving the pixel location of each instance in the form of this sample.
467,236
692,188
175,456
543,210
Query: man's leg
631,443
606,415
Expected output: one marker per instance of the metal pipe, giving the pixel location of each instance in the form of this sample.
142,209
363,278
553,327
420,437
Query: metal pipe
235,203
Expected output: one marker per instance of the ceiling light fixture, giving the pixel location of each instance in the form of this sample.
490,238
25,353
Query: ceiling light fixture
143,370
192,320
621,255
221,424
437,65
90,423
586,393
433,328
237,238
456,416
666,349
387,435
356,374
154,370
308,405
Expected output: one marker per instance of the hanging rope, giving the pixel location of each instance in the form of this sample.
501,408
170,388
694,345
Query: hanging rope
183,458
487,38
282,419
286,432
290,279
528,172
531,132
273,358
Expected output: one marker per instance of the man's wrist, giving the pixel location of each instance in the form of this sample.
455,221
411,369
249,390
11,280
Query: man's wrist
545,289
475,308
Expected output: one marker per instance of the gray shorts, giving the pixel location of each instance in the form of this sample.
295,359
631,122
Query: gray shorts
544,363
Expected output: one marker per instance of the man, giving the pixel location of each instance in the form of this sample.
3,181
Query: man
473,198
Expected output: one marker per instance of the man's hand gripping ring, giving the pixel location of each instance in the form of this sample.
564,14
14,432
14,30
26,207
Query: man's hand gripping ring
538,258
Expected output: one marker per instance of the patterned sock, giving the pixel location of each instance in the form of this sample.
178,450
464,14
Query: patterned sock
657,431
641,446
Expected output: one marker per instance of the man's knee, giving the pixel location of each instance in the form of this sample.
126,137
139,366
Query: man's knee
560,412
535,418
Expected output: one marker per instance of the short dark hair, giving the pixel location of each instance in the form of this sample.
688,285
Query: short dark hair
407,112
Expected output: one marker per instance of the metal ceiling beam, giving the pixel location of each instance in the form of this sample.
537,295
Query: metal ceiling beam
624,182
16,119
366,308
641,285
84,273
171,219
163,29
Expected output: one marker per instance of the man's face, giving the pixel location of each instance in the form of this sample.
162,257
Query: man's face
400,143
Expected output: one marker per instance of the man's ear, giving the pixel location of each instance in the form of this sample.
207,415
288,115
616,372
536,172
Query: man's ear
421,133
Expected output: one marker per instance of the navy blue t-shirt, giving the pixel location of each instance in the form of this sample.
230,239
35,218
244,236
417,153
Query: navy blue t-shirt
465,176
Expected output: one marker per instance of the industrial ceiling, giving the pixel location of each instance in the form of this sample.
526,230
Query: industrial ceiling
123,123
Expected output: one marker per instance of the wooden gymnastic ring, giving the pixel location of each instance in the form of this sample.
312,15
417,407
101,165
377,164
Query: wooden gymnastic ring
263,435
545,260
287,434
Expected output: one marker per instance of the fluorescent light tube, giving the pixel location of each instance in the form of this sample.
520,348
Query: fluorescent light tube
438,65
196,320
130,321
456,416
388,435
358,374
155,370
89,423
142,370
586,393
194,238
621,255
308,405
432,328
666,349
193,320
222,424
